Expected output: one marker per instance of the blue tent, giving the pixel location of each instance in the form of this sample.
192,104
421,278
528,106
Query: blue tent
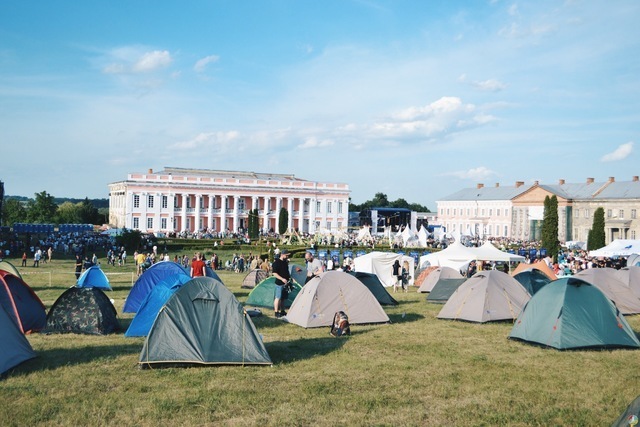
159,295
150,278
209,272
94,277
16,348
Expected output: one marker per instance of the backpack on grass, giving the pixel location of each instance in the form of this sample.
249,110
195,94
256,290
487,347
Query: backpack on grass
340,325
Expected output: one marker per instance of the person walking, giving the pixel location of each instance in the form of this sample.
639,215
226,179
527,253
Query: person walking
396,272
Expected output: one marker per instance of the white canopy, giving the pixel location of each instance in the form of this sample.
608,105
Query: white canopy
618,248
488,252
381,264
455,256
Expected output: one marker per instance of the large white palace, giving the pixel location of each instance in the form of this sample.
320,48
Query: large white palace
177,199
516,211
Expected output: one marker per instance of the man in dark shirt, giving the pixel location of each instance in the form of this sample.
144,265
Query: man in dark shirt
280,269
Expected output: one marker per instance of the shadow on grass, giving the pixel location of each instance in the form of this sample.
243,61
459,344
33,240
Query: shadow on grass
405,317
62,357
283,352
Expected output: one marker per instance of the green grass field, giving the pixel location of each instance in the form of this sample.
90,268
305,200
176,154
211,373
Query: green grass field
418,370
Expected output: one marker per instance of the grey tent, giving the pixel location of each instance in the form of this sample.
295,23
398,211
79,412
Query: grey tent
609,281
489,295
444,289
439,273
203,324
16,348
254,277
323,296
630,415
376,287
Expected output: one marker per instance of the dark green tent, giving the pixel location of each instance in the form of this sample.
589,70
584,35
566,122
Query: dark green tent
376,287
203,324
570,313
82,311
16,348
262,295
532,280
443,289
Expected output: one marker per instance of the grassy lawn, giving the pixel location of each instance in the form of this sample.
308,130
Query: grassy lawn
418,370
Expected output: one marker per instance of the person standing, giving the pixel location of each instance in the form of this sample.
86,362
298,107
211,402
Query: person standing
280,270
314,266
198,266
24,259
78,266
396,272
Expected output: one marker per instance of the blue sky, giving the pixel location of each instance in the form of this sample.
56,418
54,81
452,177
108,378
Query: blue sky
416,99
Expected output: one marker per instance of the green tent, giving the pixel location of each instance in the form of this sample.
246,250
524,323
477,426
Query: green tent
443,289
532,280
203,324
262,295
570,313
376,287
9,268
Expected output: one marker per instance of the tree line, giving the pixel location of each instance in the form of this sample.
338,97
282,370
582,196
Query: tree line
380,200
45,209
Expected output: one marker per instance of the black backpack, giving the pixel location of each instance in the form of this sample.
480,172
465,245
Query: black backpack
340,325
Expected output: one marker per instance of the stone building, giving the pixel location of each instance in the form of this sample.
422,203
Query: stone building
178,199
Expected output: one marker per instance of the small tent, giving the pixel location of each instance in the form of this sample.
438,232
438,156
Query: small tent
372,282
9,268
298,273
141,324
82,311
608,280
570,313
381,264
488,296
631,276
203,324
15,347
22,303
94,277
443,289
630,415
422,274
254,277
437,274
332,291
210,272
262,295
532,280
147,280
541,266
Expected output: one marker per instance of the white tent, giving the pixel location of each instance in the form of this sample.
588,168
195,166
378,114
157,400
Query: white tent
487,296
488,252
381,264
331,292
423,235
439,273
618,248
364,235
409,238
455,256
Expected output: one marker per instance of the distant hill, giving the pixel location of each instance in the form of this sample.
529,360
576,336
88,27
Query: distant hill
97,203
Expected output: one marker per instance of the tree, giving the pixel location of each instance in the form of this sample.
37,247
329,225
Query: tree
130,239
596,238
68,213
254,224
283,221
550,227
88,212
43,209
13,211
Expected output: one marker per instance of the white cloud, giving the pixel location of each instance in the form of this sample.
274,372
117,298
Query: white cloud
202,64
475,174
151,61
620,153
207,140
313,142
491,85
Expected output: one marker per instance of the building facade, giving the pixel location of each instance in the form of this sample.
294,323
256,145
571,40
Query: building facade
193,200
517,211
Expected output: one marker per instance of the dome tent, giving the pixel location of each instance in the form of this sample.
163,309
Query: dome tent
203,324
570,313
21,303
147,280
437,274
376,287
82,311
488,296
94,277
330,292
262,295
16,348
